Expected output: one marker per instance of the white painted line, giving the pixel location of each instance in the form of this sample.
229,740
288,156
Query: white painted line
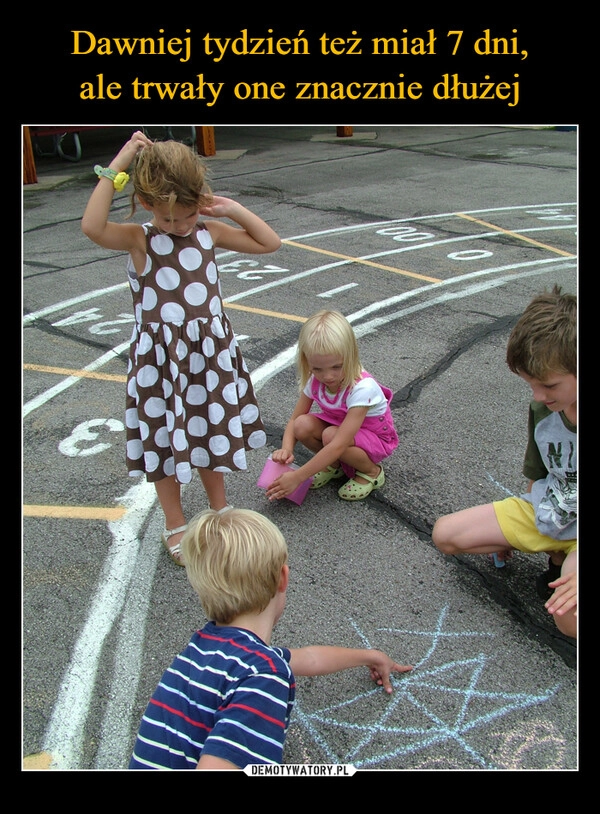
44,398
333,291
65,733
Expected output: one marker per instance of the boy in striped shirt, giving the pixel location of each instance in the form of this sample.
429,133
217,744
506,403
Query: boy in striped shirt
226,700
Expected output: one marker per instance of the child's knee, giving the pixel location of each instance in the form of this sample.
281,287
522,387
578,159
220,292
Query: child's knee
567,624
329,434
303,427
441,535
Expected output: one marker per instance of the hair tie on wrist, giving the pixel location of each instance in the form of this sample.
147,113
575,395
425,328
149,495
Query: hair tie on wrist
119,179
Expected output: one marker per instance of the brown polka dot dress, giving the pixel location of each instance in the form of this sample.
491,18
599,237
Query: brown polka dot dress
190,400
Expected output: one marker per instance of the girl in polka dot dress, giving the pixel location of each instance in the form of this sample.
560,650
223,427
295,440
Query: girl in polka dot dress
190,401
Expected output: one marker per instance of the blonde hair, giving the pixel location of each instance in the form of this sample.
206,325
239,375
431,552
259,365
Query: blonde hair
169,172
328,333
233,562
544,340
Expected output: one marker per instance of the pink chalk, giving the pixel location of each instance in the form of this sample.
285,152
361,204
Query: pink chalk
272,470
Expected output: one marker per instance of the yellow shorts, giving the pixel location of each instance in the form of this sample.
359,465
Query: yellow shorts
517,522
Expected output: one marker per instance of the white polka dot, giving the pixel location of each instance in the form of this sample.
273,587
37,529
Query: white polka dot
195,394
144,430
167,389
174,370
257,439
169,467
167,278
215,305
131,418
179,440
249,414
147,376
215,413
133,473
235,427
217,328
147,265
224,360
181,350
230,393
160,355
184,472
239,459
195,293
212,380
161,244
199,457
193,330
134,282
242,386
190,258
197,426
144,343
172,312
212,273
155,407
161,438
138,312
151,461
219,444
183,382
149,299
204,238
208,347
170,420
197,363
178,405
167,334
135,450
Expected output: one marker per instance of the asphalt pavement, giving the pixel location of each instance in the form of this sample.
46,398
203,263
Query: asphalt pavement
431,240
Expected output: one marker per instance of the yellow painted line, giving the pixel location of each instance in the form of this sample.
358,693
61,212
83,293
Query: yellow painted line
75,512
516,235
262,311
362,262
82,374
39,761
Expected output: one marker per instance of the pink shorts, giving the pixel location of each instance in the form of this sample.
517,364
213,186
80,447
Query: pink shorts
377,437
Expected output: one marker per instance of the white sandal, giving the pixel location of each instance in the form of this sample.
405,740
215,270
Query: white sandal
174,552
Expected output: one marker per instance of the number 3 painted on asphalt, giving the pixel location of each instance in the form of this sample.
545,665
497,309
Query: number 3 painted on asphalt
82,434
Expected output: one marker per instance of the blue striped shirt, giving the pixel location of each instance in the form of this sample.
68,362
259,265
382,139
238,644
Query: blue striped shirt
227,694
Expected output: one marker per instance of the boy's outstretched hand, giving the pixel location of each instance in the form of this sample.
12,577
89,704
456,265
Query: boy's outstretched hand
382,666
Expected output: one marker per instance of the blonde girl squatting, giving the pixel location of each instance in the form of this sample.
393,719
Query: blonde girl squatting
343,414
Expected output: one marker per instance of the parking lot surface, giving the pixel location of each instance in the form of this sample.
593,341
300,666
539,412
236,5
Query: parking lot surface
431,240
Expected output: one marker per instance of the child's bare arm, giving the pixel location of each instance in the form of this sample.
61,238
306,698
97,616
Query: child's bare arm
322,660
212,762
285,455
95,223
254,237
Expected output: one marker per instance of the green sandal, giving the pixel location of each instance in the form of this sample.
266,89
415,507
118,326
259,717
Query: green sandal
357,491
325,475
